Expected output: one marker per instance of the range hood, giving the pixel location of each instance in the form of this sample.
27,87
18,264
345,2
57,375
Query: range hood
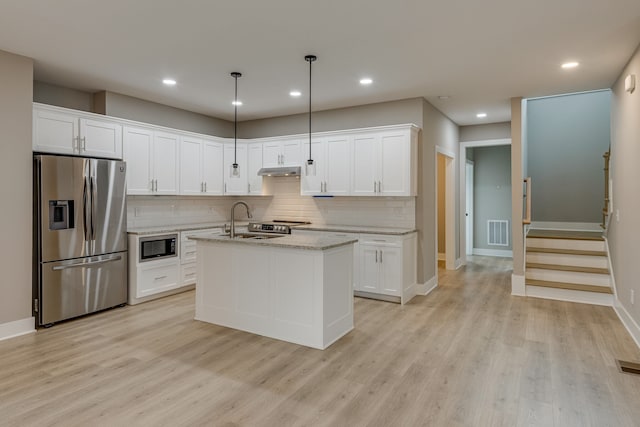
280,171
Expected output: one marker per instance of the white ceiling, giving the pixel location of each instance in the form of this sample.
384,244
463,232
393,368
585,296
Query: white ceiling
478,53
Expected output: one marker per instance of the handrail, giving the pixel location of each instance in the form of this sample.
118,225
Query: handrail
605,209
527,200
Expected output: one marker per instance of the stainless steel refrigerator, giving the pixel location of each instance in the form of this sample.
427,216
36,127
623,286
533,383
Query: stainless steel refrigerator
80,236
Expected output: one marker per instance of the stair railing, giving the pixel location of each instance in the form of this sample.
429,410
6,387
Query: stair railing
526,195
605,209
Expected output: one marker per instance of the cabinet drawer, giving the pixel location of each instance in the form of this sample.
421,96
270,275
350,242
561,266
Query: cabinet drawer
188,252
157,279
380,240
188,273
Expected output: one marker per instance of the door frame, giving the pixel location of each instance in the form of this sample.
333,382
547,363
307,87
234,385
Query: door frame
449,209
469,165
463,184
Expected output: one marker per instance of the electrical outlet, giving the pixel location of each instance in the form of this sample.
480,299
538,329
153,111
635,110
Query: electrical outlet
617,215
633,296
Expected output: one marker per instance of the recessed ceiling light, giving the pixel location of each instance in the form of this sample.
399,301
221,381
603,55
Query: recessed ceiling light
444,97
238,103
295,93
481,115
169,82
568,65
366,81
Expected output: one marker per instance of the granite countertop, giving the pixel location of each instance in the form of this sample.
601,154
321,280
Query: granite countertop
358,229
319,243
182,227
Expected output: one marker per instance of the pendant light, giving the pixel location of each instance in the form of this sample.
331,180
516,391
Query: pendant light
235,170
311,166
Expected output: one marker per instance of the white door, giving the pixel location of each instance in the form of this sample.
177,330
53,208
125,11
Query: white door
138,144
271,154
314,184
291,153
338,177
100,139
165,162
213,168
55,132
254,164
190,167
364,173
469,206
235,184
369,268
394,175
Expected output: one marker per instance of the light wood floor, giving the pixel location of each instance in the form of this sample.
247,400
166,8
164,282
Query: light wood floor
468,354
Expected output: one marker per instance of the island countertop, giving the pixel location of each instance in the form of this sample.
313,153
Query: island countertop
396,231
318,243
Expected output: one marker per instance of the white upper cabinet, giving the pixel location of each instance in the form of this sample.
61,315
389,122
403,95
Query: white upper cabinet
200,167
254,164
281,153
384,163
331,156
235,185
152,159
62,131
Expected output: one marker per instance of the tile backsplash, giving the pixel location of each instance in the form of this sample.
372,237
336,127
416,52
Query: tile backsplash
284,203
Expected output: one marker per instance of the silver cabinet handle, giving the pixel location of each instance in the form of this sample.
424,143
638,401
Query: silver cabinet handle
160,278
84,143
189,274
376,255
225,187
379,186
375,188
248,188
156,184
205,186
190,252
201,187
86,264
152,185
380,256
76,142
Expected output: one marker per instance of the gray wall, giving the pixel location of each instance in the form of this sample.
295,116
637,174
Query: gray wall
566,138
380,114
127,107
624,234
60,96
482,132
492,191
16,87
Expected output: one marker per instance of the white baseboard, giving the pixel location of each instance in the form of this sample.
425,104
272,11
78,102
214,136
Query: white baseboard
628,322
552,225
427,287
493,252
17,328
569,295
518,287
442,257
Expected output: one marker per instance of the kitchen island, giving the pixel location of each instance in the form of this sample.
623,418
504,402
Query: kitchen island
293,288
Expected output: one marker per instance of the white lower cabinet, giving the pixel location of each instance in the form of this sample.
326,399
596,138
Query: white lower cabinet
384,266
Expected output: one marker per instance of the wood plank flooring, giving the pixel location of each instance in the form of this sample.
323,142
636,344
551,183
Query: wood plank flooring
468,354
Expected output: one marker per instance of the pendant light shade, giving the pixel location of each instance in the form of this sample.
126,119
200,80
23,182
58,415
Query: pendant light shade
235,169
310,168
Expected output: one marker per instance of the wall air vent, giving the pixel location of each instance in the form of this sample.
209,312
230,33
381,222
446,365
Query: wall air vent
498,232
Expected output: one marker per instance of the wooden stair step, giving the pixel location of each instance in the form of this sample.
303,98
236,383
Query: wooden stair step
566,251
568,268
566,234
570,286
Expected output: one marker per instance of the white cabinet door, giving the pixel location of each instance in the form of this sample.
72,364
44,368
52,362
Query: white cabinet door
254,164
100,138
271,155
394,175
235,184
138,145
165,162
314,184
390,261
291,153
212,168
369,268
55,132
191,182
338,166
365,166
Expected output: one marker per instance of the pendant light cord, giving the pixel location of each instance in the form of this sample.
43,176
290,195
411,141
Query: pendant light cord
310,59
235,75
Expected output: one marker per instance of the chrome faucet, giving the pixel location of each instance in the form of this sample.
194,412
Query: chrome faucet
232,231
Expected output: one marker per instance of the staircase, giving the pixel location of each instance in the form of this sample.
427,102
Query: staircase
568,265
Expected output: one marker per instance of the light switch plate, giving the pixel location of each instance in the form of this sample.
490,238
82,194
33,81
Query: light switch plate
630,83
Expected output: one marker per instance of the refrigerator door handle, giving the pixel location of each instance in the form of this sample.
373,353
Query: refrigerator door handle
84,209
87,263
92,188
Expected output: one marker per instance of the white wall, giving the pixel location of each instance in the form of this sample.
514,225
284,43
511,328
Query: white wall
16,88
624,235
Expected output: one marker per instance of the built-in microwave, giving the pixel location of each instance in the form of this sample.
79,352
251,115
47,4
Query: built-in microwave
158,247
